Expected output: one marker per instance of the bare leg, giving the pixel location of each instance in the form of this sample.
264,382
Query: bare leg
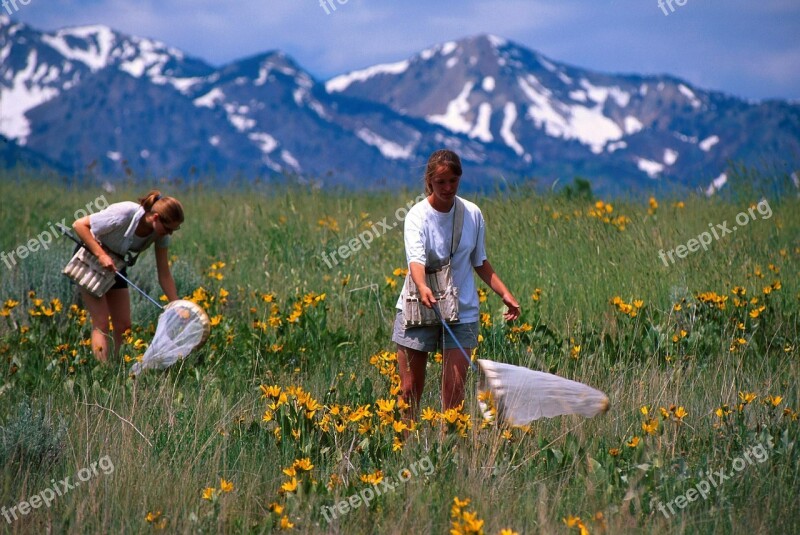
454,373
98,312
411,367
119,305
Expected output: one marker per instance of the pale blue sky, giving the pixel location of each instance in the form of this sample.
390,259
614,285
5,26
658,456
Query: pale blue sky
746,48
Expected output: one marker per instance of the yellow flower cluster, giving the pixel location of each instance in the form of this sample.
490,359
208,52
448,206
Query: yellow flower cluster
713,299
8,306
329,223
455,419
630,309
603,210
652,206
215,271
157,520
462,521
39,308
299,466
211,493
577,523
515,332
386,364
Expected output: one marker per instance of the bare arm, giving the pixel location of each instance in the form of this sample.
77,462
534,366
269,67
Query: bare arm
487,274
418,276
84,232
165,275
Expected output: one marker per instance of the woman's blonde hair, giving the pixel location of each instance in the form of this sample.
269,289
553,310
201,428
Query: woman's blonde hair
169,209
442,157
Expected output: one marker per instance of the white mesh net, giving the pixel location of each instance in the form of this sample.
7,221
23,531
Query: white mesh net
182,327
522,395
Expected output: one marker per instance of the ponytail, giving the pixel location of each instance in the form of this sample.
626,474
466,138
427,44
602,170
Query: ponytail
169,209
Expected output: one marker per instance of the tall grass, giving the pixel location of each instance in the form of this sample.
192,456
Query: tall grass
663,343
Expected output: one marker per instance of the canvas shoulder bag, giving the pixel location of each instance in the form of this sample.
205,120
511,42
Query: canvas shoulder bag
440,280
84,269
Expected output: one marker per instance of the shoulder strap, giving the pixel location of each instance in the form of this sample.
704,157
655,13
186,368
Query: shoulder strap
458,226
131,259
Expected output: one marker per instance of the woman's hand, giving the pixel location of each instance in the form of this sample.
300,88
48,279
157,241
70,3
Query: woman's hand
513,311
106,262
426,296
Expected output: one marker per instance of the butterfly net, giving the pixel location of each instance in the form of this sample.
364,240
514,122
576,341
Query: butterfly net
183,327
521,395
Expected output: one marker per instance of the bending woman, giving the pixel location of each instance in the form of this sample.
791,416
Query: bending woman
428,233
122,228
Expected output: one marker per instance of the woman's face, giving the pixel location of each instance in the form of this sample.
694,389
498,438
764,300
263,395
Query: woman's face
444,184
162,228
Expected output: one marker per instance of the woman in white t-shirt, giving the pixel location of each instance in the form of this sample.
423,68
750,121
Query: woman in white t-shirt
123,228
428,234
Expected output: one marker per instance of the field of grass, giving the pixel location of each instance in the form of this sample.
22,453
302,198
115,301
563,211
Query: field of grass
289,409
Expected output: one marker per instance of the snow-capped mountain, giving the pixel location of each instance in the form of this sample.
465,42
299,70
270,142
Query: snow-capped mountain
93,97
36,67
495,91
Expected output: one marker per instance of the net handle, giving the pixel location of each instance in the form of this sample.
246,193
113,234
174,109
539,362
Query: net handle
453,336
69,235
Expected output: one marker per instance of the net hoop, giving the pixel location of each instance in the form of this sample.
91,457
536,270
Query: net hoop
188,307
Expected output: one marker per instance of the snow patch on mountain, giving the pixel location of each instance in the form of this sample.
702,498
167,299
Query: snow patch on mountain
615,146
708,143
210,99
388,148
453,118
716,184
688,93
600,94
578,95
340,83
21,96
287,157
265,142
99,42
509,118
587,125
496,41
482,129
650,167
445,49
670,156
632,125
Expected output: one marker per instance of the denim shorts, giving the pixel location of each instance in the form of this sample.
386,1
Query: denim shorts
429,338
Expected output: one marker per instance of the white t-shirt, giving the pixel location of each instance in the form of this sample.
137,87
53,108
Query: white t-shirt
115,227
428,234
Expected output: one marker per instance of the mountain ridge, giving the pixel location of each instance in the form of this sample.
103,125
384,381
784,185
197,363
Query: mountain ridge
90,94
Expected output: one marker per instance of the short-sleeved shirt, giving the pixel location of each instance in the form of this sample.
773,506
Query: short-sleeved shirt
428,235
115,227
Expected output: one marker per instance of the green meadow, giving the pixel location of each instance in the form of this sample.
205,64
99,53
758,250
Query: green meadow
286,419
